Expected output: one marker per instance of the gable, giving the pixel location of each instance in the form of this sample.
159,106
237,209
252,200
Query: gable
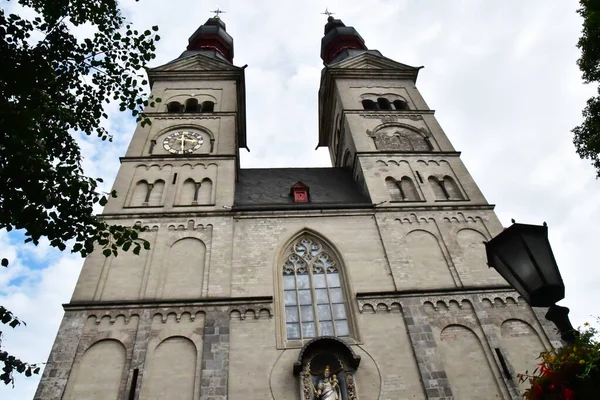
196,62
372,61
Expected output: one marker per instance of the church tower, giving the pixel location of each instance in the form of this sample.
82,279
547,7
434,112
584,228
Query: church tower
366,280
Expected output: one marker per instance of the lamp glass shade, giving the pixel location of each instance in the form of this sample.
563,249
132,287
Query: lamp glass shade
523,256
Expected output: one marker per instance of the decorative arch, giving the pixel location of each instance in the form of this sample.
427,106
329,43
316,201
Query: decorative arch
184,269
522,344
401,137
175,357
98,373
313,289
175,128
463,356
426,258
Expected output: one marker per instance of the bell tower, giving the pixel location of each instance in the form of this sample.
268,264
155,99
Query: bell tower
176,179
376,123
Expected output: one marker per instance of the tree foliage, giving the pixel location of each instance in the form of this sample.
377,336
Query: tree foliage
55,83
587,135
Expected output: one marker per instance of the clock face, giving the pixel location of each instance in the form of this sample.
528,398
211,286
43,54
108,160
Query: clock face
183,142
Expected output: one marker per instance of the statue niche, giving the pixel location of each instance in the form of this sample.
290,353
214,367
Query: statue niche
399,138
326,367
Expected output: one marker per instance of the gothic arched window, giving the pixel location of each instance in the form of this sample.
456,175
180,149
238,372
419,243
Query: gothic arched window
312,291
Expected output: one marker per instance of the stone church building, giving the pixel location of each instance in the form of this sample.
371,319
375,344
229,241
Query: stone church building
366,280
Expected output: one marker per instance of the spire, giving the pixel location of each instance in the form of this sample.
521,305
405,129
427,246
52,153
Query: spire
212,39
338,40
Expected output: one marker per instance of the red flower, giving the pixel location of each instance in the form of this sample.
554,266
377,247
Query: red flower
537,390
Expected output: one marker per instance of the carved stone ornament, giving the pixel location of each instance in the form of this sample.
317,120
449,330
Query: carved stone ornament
325,367
399,138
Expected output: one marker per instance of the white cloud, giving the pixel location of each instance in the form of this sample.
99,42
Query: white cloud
501,75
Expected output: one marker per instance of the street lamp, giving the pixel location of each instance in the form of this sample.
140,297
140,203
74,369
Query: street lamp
523,256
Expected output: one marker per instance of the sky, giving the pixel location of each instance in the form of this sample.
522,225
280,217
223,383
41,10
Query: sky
501,75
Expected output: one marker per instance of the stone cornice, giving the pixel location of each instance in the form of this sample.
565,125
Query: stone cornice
465,290
378,153
291,213
134,304
170,157
196,115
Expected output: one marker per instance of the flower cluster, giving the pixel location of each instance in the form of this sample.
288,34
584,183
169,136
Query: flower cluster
570,373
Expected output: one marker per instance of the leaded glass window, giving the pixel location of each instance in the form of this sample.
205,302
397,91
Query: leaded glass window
312,293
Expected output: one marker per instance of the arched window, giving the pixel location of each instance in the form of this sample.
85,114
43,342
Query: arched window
393,189
191,106
408,189
174,107
369,105
384,104
452,189
208,106
400,105
438,188
140,192
312,292
204,192
155,193
189,192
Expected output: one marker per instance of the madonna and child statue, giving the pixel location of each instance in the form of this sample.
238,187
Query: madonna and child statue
325,368
328,387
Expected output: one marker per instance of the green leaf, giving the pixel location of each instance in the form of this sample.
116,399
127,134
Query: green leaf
5,262
106,252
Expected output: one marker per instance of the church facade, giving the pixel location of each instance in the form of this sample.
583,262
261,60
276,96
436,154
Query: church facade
366,280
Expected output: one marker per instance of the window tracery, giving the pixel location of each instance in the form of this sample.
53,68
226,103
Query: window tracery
313,296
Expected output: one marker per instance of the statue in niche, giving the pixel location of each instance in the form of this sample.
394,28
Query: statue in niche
328,388
326,367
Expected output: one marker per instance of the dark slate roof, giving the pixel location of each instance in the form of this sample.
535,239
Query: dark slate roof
270,188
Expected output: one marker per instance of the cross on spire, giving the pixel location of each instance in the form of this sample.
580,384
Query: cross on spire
327,12
217,12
